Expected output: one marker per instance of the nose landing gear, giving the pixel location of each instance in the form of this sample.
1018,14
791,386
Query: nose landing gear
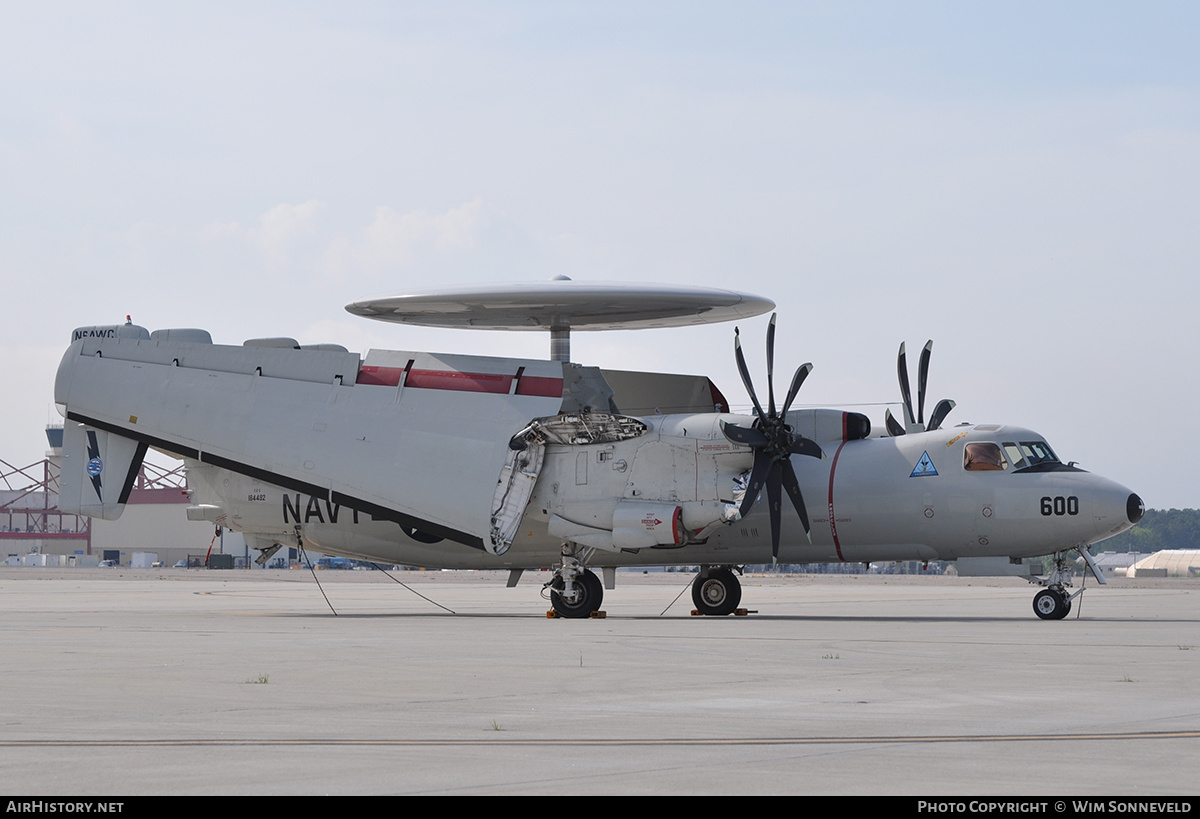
1052,604
575,592
1054,601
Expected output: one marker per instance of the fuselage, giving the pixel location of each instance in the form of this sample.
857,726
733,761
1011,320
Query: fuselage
912,497
477,462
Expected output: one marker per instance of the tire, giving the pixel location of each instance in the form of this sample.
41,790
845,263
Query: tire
589,601
717,593
1049,604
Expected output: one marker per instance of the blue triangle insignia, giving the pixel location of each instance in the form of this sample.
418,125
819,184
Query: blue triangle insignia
924,467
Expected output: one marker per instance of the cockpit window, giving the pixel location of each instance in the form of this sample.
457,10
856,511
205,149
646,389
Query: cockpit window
1037,452
1014,455
1030,454
983,456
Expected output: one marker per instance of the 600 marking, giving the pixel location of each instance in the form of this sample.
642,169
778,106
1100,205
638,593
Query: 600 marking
1060,505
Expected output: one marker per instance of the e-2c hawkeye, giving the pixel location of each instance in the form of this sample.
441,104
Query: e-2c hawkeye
480,462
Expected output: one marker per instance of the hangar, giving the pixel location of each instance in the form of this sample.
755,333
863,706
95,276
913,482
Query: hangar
1168,563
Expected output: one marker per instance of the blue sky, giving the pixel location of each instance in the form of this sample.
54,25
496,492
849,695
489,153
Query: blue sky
1017,181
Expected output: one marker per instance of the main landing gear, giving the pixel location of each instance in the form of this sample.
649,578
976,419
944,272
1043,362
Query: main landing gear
716,591
575,592
1054,601
583,600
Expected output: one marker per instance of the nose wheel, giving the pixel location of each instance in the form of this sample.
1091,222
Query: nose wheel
1054,601
1051,604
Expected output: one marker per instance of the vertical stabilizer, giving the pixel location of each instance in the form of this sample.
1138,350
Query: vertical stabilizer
98,471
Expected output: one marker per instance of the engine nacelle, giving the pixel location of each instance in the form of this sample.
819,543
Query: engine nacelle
642,525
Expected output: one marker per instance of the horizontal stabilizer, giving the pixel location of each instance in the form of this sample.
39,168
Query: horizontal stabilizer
98,471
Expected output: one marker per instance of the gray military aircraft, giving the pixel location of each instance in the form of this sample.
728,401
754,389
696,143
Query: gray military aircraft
474,462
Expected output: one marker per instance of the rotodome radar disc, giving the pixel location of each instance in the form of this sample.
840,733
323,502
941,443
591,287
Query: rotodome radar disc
564,305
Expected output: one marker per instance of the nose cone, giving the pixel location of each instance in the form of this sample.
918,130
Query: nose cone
1110,507
1134,508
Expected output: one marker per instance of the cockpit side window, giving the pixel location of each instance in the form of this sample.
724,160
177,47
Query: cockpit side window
1014,455
983,456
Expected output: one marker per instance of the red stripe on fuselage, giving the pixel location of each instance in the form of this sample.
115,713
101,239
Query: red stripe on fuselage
379,376
540,386
837,544
460,382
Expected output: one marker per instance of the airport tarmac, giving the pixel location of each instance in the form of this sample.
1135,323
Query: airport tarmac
123,682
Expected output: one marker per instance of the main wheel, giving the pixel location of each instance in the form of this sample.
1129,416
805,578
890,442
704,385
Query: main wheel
1050,604
591,595
717,593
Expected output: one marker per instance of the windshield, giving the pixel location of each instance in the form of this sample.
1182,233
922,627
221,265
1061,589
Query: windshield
1029,453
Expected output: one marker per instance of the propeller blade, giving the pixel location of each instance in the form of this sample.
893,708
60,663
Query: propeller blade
797,380
775,499
803,446
771,366
922,377
746,436
793,489
893,426
762,465
902,372
743,371
940,412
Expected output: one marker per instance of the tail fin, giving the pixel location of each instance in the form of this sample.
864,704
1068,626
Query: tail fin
98,471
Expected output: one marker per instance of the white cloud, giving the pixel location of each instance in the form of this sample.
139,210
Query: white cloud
397,241
281,227
394,239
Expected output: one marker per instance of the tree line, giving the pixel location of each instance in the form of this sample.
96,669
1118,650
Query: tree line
1159,529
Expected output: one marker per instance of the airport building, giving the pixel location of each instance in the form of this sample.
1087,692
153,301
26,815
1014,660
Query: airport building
1168,563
